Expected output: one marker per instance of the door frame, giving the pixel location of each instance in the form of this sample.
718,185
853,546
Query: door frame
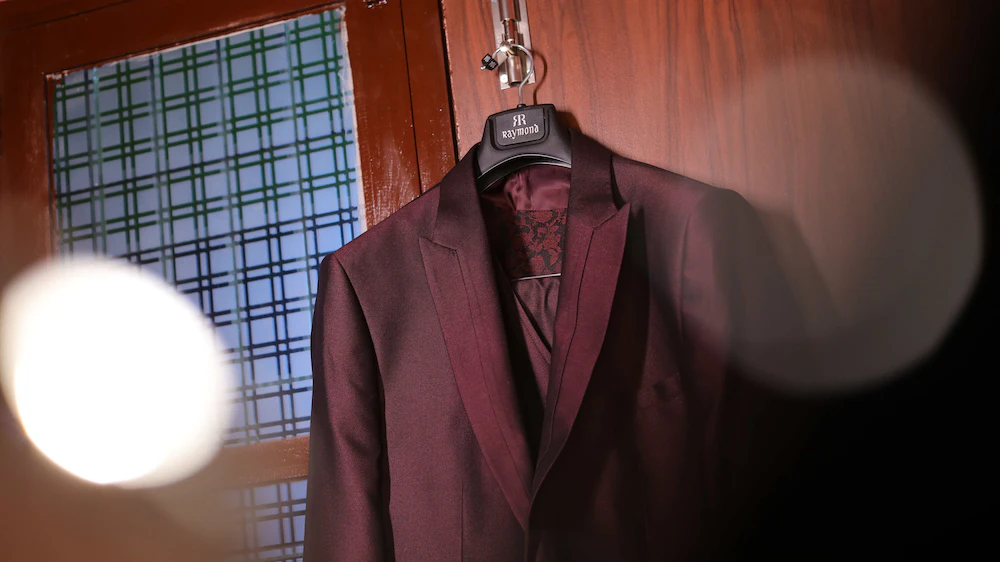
402,107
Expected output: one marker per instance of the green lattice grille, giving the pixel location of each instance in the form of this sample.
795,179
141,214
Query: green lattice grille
228,167
273,521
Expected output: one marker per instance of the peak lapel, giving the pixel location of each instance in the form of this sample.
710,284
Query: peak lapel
595,240
460,273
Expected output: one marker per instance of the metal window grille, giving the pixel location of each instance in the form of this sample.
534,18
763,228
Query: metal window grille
273,521
228,167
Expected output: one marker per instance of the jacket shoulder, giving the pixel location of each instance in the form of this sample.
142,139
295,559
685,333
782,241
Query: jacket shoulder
645,185
399,230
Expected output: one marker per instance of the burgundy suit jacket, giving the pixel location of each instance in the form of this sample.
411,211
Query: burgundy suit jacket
653,443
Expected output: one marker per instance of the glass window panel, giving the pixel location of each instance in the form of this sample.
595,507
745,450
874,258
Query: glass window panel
229,168
273,521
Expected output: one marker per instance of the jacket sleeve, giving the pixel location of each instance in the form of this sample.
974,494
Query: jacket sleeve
743,340
346,504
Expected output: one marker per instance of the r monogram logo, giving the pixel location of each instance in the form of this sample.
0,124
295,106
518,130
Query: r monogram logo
523,126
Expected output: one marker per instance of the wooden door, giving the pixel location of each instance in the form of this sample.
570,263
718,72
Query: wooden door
833,118
844,123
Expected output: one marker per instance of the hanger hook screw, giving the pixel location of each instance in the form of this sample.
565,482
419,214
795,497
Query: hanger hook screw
490,63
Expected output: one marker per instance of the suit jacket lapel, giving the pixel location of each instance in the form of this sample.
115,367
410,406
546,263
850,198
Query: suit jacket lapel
459,269
595,240
460,273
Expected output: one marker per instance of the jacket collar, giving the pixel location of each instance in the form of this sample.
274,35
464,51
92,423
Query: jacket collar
460,273
591,198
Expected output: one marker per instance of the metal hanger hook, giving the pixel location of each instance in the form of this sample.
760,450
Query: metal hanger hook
493,55
527,75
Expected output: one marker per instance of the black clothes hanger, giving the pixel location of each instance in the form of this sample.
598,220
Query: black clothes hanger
519,137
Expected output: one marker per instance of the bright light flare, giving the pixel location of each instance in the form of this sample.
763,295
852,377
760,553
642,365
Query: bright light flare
114,375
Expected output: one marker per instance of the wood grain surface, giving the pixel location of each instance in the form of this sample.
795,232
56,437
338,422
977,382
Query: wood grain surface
25,217
18,14
389,168
832,117
428,90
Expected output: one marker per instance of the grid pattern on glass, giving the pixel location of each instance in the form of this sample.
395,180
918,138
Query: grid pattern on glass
273,521
228,167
